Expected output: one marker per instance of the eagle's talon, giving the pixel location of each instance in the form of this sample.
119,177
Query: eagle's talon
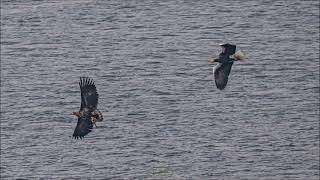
94,120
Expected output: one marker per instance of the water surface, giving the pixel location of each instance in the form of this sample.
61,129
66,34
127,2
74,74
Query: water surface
164,117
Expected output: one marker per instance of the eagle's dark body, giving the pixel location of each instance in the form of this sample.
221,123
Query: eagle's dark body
88,114
222,70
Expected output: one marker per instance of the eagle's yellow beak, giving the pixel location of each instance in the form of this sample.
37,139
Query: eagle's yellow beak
239,56
211,61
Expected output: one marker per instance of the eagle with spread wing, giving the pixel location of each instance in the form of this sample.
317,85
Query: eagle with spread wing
222,70
88,114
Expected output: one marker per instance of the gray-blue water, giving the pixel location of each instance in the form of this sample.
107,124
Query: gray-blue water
163,116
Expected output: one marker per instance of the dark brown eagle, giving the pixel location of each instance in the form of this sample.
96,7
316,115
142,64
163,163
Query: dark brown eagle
222,70
88,114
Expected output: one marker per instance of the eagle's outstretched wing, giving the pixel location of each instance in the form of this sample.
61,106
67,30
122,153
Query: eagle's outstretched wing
83,127
221,73
89,94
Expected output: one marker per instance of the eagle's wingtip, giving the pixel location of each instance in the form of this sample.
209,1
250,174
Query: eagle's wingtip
77,137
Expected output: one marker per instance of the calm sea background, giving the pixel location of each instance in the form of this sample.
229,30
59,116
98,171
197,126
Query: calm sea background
163,116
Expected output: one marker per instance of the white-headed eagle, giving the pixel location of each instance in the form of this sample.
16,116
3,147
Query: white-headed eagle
222,70
88,114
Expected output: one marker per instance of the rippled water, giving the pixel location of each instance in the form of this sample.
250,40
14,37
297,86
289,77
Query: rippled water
164,117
